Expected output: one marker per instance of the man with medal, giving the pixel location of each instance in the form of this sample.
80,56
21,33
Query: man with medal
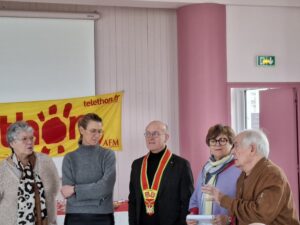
161,183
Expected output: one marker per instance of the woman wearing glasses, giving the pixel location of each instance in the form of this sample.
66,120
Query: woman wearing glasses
29,181
88,177
218,171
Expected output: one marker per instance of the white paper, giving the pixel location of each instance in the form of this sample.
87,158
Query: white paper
202,219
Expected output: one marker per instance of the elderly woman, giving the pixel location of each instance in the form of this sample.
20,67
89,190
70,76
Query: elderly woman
218,171
89,175
29,181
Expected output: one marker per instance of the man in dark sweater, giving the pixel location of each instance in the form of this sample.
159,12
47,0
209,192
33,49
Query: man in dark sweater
161,183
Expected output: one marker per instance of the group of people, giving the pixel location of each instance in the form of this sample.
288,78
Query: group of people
238,185
29,181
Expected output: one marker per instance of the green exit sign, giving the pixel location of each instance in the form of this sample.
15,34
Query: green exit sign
265,60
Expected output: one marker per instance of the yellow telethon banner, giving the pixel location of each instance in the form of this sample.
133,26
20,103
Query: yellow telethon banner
55,122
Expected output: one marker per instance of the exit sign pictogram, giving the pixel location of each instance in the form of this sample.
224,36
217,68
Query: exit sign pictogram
265,61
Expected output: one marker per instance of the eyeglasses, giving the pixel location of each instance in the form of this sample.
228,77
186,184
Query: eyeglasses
153,134
26,139
221,141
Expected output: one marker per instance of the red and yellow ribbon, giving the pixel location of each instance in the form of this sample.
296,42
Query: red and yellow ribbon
150,194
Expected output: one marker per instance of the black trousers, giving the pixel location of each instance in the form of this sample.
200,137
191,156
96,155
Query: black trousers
89,219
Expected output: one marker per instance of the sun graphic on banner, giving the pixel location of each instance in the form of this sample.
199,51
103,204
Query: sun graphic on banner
54,130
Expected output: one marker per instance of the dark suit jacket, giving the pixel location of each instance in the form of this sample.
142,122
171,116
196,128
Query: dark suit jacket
174,193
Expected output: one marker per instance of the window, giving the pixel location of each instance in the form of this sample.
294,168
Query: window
245,108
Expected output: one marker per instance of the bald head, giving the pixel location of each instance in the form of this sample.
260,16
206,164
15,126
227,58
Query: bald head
156,135
159,124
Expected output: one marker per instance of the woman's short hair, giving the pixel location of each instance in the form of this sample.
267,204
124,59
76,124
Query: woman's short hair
219,129
14,130
84,120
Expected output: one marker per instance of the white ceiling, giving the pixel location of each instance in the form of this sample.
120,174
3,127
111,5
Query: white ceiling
168,3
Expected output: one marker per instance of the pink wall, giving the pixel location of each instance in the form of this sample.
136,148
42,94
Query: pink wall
202,77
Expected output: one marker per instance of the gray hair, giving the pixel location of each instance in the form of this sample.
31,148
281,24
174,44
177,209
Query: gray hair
15,128
259,138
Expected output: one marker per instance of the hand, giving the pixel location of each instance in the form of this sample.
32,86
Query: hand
213,192
220,220
67,191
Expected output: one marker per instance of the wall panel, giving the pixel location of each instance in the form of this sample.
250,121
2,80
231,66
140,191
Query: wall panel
253,31
137,53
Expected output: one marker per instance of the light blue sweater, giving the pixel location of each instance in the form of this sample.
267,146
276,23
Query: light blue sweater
92,169
226,183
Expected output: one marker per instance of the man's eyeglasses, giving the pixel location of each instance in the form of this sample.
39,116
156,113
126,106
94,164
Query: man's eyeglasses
153,134
221,141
